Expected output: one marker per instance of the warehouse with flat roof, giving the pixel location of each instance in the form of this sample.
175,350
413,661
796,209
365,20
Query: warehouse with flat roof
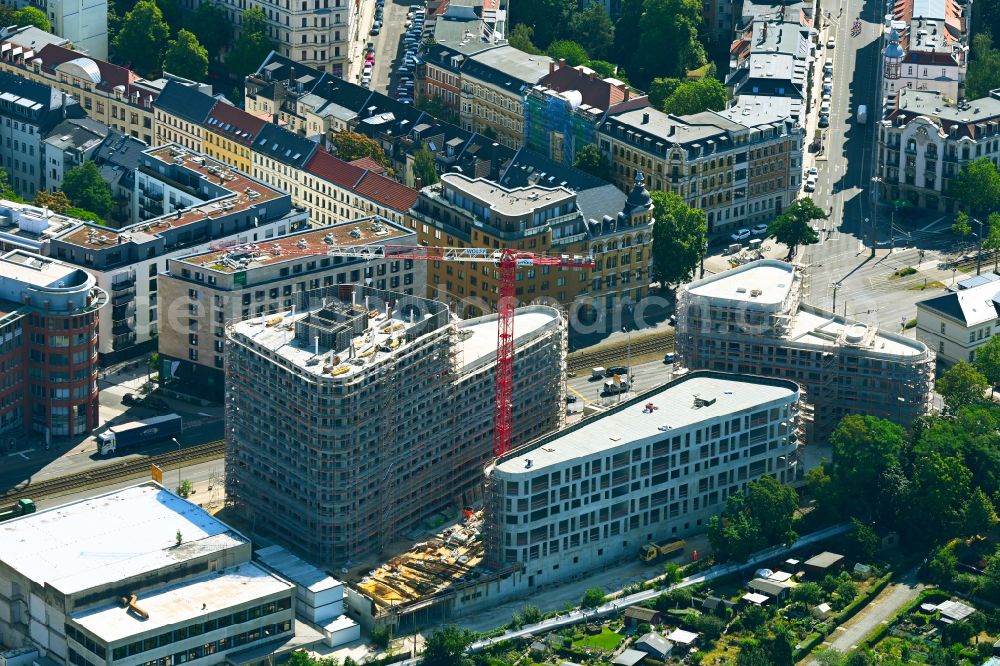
653,468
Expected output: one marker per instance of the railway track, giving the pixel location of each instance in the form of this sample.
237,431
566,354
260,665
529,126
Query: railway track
115,471
659,343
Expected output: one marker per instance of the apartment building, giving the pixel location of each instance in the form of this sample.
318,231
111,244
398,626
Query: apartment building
772,55
84,23
28,111
190,590
237,284
48,345
180,115
655,468
751,320
109,94
928,48
384,405
537,217
67,146
228,135
184,203
117,158
957,323
927,139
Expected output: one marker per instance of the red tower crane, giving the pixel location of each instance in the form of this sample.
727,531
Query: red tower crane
508,261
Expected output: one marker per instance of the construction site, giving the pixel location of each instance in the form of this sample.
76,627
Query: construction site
751,320
357,414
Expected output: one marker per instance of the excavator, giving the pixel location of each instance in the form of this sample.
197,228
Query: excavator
654,551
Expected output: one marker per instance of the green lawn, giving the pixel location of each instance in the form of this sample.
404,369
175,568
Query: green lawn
606,640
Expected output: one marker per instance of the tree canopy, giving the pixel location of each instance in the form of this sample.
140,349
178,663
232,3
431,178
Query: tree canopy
521,38
666,22
252,46
568,50
792,227
143,37
212,28
863,448
446,647
87,189
186,57
352,146
988,361
549,19
679,236
424,167
32,16
961,386
594,31
983,74
589,158
705,94
977,186
759,518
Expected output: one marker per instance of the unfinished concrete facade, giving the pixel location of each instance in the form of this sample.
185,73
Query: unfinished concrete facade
751,320
354,418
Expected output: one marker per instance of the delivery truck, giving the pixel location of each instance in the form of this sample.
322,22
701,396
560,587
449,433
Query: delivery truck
138,433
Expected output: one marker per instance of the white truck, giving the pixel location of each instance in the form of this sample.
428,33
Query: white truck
597,373
862,114
613,387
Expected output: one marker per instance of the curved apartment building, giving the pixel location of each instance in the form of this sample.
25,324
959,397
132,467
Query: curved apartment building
751,320
358,414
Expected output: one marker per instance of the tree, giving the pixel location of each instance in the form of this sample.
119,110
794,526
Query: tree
671,573
706,94
793,228
941,491
607,70
593,29
32,16
709,626
171,10
85,215
961,227
983,73
828,657
252,46
592,597
185,488
780,647
568,50
55,201
212,28
589,158
352,146
734,537
550,19
980,515
186,57
424,167
863,447
87,189
988,361
626,30
809,594
977,186
143,37
862,542
673,22
661,89
679,233
7,13
521,39
773,505
961,386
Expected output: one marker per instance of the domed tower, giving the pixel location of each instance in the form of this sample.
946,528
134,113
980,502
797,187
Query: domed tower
638,204
893,55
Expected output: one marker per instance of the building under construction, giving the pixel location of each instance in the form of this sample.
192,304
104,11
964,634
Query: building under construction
751,320
358,413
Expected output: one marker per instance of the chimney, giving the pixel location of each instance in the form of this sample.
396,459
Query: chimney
552,66
628,93
562,62
593,75
418,183
645,119
65,103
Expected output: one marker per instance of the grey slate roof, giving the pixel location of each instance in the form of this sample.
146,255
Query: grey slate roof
972,306
185,102
284,146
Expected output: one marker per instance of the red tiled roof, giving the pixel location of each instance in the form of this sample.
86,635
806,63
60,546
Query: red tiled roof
369,164
595,91
387,192
111,75
326,166
234,123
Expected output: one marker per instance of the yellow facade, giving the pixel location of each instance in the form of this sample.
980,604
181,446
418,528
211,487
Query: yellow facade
228,151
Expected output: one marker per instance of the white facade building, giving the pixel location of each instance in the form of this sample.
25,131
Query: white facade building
957,323
654,468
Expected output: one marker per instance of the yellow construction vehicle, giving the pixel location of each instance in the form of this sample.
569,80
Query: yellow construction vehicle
653,551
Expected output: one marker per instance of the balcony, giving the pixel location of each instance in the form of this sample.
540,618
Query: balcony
123,283
123,327
123,299
122,311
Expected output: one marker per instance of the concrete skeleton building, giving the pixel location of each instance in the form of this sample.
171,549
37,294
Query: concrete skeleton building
751,320
654,468
957,323
927,139
191,592
48,346
240,284
383,408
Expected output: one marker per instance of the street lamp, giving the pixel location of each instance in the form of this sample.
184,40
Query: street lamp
836,286
979,246
174,440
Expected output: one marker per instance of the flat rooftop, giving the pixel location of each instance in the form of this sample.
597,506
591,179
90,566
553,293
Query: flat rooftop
32,269
481,344
818,327
244,193
183,602
289,248
767,281
104,539
512,202
651,415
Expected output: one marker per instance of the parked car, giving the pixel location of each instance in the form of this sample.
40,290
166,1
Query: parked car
669,357
810,184
824,108
828,87
130,399
812,171
824,121
759,230
155,402
741,235
831,43
374,31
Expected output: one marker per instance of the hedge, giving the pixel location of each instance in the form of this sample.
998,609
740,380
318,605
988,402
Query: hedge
849,611
879,632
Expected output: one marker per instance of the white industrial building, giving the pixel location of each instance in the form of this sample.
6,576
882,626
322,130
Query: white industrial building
137,576
653,468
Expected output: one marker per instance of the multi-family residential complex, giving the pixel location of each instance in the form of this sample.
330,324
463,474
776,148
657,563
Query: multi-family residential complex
463,212
927,48
137,576
654,468
772,55
751,320
237,284
28,111
383,407
48,345
927,139
109,94
84,23
183,203
957,323
67,146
